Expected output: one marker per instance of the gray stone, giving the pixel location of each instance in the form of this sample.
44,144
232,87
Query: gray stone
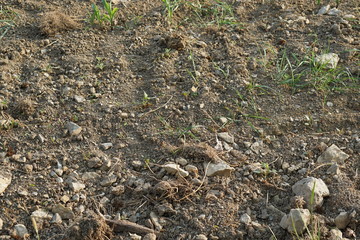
108,180
245,218
296,221
64,212
90,176
56,218
174,168
218,169
106,146
20,232
226,137
328,60
333,154
342,220
118,190
334,12
79,99
5,180
73,128
333,169
323,10
76,186
305,187
181,161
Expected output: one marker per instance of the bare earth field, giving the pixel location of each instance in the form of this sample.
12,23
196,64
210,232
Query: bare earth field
179,119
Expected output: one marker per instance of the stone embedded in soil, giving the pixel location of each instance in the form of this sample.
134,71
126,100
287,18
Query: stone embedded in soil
108,180
218,169
41,214
64,212
200,237
117,190
342,220
73,128
155,221
5,180
323,10
174,168
76,186
328,60
333,154
335,234
334,12
296,221
56,218
106,146
305,187
20,232
245,218
90,176
149,236
226,137
79,99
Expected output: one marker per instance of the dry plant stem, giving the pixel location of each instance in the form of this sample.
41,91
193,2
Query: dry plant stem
201,184
322,165
127,226
154,110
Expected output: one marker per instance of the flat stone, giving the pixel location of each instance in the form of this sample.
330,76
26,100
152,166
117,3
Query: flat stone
76,186
106,146
56,218
108,180
5,180
41,214
342,220
174,168
73,128
226,137
79,99
20,232
334,12
305,187
90,176
333,154
296,221
64,212
328,60
333,169
200,237
219,169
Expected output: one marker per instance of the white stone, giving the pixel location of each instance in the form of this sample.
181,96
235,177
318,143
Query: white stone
5,180
333,154
201,237
181,161
226,137
1,224
296,221
323,9
76,186
245,218
328,60
334,12
41,214
106,146
174,168
305,187
335,234
218,169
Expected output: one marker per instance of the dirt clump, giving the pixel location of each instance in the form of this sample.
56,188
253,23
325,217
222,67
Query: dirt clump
56,22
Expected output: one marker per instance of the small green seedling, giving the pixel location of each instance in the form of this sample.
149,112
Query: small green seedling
7,21
100,18
170,7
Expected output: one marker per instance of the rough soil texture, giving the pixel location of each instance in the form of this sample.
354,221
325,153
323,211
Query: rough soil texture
160,92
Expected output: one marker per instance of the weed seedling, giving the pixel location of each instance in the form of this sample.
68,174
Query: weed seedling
7,21
170,7
99,17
